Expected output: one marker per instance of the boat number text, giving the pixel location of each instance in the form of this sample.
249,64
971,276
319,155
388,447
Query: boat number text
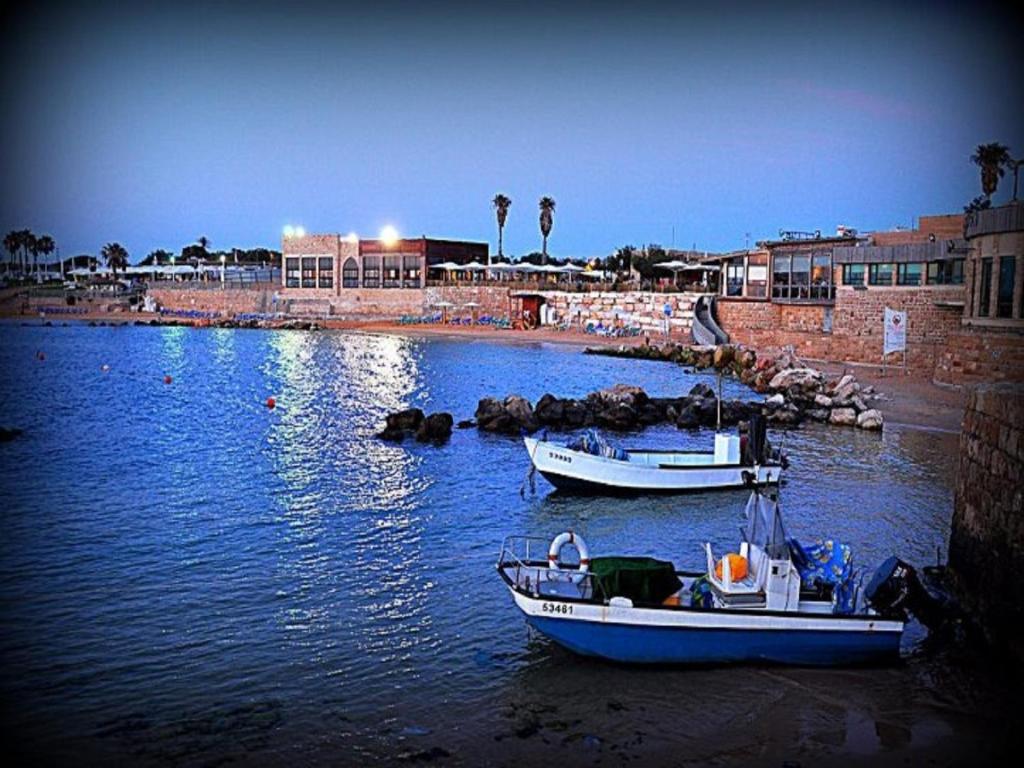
555,608
566,459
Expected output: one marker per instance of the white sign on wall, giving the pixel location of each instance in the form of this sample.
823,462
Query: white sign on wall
895,331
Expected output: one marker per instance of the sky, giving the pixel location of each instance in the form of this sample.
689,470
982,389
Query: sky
151,124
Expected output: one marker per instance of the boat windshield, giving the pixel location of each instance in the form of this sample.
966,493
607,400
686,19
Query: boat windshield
765,527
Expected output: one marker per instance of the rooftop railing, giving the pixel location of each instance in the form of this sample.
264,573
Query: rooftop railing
993,221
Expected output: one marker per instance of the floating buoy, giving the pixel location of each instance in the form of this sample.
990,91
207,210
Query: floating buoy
271,402
168,379
40,355
105,368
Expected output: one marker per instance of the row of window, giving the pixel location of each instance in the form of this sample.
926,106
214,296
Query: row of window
803,276
949,272
305,272
1004,289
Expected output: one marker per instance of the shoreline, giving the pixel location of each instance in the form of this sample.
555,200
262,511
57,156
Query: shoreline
910,401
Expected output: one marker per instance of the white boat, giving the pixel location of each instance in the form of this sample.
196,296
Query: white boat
805,609
591,465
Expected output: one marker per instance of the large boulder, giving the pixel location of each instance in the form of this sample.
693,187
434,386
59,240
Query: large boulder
401,423
550,411
723,356
701,390
575,414
775,401
521,412
784,417
746,358
806,379
689,415
435,428
822,401
846,417
870,419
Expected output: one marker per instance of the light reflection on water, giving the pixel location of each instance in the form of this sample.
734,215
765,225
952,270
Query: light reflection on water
189,576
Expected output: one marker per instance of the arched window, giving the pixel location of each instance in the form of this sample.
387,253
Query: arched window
350,274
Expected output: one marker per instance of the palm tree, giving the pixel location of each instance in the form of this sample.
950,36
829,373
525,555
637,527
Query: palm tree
45,245
991,158
547,208
12,243
501,205
28,245
116,256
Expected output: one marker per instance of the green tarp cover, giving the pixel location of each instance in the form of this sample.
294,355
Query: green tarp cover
641,579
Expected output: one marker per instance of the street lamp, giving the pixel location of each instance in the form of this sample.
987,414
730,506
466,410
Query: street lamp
172,267
223,259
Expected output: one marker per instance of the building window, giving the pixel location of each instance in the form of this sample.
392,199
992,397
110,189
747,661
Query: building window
909,274
350,274
734,278
800,278
371,272
948,272
853,274
880,274
1007,273
309,272
985,299
780,277
392,271
821,276
326,270
411,271
291,272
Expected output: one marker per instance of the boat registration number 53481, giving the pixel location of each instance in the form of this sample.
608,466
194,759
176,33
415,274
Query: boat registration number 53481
555,608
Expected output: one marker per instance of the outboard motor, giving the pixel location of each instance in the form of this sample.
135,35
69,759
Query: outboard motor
890,590
896,590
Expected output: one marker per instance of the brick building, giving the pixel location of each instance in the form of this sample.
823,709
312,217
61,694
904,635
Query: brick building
326,265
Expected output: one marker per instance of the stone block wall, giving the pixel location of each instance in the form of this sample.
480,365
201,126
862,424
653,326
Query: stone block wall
933,314
644,309
214,299
986,545
974,355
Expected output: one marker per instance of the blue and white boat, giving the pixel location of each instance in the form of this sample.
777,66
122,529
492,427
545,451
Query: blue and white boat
793,605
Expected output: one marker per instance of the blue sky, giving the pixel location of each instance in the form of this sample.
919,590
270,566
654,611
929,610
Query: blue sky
154,124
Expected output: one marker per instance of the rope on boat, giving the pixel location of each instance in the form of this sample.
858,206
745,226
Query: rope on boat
531,476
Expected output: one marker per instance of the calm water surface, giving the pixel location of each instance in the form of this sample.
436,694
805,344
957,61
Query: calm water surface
187,577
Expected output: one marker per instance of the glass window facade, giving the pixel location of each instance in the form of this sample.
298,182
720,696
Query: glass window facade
325,270
880,274
821,276
853,274
291,272
985,296
909,274
350,274
734,278
780,277
1007,275
949,272
309,272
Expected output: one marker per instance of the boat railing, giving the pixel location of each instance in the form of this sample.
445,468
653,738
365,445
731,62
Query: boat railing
524,559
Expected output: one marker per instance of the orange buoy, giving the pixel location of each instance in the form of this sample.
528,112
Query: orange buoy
271,402
168,379
737,567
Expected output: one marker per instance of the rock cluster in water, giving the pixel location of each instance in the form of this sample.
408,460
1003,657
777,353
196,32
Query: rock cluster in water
620,408
435,428
796,391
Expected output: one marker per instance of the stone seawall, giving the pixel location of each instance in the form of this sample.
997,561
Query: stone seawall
933,317
974,356
986,545
644,309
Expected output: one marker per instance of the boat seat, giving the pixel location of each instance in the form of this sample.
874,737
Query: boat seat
751,585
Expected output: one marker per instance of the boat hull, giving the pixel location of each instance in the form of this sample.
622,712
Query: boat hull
689,636
577,472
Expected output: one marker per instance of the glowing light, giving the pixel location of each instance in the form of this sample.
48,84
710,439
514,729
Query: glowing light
352,237
289,231
300,232
389,235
